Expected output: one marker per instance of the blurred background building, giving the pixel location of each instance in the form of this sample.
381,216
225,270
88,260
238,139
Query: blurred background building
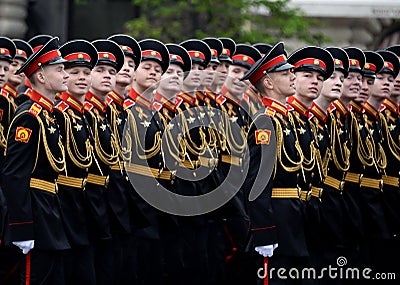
368,24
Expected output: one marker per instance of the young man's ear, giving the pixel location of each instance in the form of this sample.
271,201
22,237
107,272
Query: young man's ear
268,83
39,77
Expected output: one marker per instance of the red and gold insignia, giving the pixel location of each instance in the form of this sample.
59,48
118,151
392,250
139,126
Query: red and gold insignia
23,134
88,106
220,99
35,109
263,136
157,106
270,112
128,103
62,106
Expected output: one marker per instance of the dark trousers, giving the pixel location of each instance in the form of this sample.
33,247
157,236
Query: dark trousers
103,261
217,251
149,261
9,265
123,264
79,266
243,268
44,267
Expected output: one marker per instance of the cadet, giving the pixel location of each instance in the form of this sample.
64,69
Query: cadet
81,57
34,158
274,79
145,161
333,157
373,206
209,73
103,218
391,133
8,256
225,59
124,196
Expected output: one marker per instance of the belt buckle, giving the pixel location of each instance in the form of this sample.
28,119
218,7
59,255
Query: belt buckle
106,181
84,180
341,186
360,178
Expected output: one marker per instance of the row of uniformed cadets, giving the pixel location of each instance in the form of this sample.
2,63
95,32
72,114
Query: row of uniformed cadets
123,237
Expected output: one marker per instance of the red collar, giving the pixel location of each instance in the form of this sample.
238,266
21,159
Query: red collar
211,94
297,105
10,90
167,103
41,100
224,91
133,94
188,98
368,108
114,96
72,101
274,105
144,103
95,101
253,95
318,112
355,107
339,105
389,104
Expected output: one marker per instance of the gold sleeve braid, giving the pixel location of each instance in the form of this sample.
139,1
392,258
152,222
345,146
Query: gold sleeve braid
344,152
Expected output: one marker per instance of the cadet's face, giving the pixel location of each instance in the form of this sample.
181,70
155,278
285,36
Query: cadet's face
103,79
283,82
4,71
308,84
148,74
79,80
193,80
332,87
396,87
55,77
366,85
383,86
222,72
125,75
16,80
171,80
209,74
352,86
233,83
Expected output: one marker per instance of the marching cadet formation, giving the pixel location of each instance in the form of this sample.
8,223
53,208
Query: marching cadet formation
96,135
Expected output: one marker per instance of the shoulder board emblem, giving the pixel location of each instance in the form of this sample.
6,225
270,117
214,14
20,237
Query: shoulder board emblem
178,102
263,136
4,93
35,109
270,112
108,100
23,134
220,99
246,97
62,106
128,103
289,107
88,106
157,106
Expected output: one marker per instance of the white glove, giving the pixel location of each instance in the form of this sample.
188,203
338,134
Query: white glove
266,250
25,245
